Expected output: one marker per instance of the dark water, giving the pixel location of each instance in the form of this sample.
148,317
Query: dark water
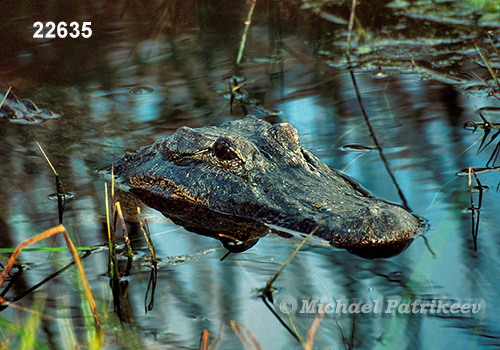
148,70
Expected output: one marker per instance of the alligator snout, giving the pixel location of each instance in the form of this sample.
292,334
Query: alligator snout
379,230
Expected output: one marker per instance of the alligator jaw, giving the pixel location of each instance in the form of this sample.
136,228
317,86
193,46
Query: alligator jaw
236,233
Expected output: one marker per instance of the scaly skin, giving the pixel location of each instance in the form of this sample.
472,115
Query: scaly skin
234,181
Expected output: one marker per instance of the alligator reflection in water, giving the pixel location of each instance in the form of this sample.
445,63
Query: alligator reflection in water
230,182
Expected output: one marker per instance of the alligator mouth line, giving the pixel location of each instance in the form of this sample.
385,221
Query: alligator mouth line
168,188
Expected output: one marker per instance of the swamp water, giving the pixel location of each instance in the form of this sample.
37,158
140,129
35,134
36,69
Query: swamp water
149,69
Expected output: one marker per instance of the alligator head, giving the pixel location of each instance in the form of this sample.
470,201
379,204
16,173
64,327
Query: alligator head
235,181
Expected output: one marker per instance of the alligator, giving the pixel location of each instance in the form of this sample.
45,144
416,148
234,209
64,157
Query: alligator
246,178
23,110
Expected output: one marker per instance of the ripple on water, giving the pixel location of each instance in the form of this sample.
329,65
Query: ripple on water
141,90
66,196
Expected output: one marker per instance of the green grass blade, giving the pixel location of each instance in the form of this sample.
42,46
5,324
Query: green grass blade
244,36
32,325
488,66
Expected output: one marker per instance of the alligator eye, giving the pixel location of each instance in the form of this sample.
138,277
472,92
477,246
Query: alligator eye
223,151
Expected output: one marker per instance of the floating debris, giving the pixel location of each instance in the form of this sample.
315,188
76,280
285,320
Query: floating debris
479,170
22,111
26,120
357,148
479,90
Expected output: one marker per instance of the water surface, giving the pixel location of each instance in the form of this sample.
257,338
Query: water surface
139,78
